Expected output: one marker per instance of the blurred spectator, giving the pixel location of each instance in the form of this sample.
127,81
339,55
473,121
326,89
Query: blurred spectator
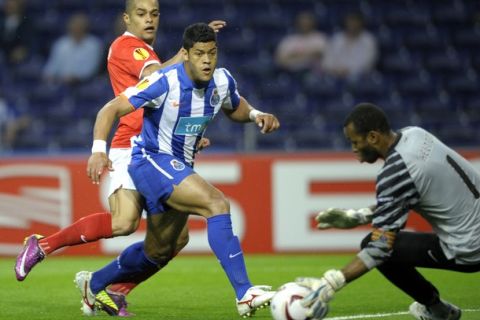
304,49
118,28
12,123
76,56
351,52
16,32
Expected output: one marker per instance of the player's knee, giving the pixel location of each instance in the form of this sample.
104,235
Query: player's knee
182,241
218,203
124,226
160,255
365,241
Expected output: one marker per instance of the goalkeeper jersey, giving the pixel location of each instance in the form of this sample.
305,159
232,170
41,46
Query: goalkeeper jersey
423,174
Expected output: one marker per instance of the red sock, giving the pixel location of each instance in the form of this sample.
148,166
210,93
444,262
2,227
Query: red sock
122,288
87,229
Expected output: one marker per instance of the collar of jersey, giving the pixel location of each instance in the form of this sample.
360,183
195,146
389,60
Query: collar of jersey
126,33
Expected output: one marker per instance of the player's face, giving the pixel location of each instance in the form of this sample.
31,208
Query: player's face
201,60
142,20
361,146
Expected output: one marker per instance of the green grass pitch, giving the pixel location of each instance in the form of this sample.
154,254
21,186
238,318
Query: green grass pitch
194,287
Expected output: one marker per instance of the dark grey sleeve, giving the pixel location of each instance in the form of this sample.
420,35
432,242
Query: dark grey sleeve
396,194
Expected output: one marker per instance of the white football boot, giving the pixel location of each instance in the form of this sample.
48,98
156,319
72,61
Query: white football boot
82,281
421,312
257,297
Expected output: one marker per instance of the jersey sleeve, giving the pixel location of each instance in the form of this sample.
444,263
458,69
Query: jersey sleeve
149,92
134,55
396,195
232,100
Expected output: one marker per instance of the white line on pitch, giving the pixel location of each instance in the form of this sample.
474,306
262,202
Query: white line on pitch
383,315
363,316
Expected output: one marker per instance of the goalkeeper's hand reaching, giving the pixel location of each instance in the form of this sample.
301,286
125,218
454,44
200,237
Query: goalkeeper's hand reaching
343,218
322,292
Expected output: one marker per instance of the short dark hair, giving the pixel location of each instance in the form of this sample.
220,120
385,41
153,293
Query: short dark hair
130,5
198,32
368,117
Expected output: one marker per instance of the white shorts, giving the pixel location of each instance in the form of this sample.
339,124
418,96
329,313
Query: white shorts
119,177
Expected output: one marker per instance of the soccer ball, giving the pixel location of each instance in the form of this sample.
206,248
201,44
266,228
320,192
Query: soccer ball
285,304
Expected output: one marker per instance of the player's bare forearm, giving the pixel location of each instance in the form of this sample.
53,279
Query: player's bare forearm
177,58
241,114
355,269
246,113
106,117
148,70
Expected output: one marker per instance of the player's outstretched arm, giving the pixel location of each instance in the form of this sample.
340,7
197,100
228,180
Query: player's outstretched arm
246,113
343,218
106,117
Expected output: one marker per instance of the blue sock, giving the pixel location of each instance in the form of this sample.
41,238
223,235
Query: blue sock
129,266
228,251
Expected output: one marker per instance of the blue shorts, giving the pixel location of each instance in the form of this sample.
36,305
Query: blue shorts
154,176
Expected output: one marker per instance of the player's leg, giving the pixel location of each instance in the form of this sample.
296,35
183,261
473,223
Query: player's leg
153,249
87,229
166,236
412,250
126,205
160,246
196,195
163,178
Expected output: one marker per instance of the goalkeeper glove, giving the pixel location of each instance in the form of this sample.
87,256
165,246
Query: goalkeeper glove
343,218
322,292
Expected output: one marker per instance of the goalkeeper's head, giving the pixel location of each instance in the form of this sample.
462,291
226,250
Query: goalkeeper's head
368,130
141,18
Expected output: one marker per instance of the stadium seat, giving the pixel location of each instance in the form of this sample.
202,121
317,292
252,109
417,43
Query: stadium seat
467,39
370,87
426,41
426,48
416,85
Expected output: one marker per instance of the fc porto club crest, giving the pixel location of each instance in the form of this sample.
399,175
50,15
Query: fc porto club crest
215,98
177,165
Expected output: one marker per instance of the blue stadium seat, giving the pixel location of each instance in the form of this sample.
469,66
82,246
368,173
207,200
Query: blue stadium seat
464,84
370,87
467,39
399,64
426,48
322,87
451,14
308,139
426,40
416,85
442,65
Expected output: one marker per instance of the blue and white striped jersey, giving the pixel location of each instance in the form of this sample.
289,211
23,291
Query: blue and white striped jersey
177,111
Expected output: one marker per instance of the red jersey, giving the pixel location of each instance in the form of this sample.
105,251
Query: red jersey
127,57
